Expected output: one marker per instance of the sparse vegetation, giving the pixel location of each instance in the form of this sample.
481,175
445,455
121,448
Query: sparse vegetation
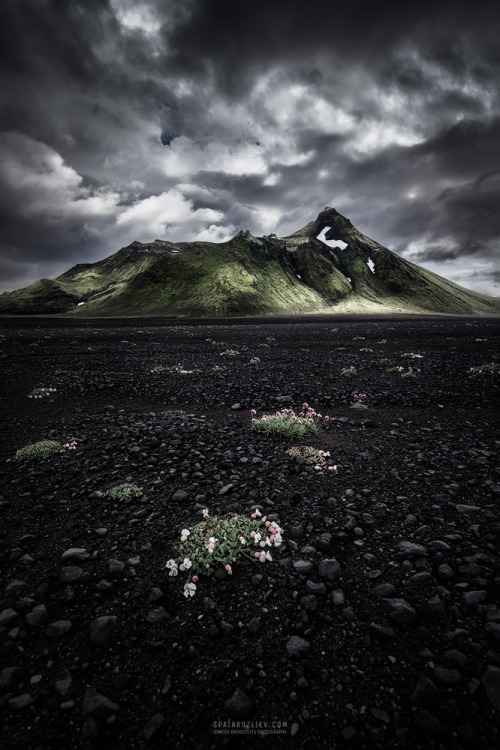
124,491
221,540
286,423
41,392
488,369
38,451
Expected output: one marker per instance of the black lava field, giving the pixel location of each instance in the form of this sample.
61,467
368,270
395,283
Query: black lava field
375,625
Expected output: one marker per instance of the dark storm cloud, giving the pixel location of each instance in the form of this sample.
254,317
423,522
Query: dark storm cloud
125,120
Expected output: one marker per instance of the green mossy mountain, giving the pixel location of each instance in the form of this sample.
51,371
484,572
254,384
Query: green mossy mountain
250,275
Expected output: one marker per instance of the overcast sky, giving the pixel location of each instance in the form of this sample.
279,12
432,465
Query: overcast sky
128,120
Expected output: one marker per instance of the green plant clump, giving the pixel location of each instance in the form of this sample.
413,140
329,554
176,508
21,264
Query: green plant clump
488,369
221,540
286,423
124,491
38,451
313,456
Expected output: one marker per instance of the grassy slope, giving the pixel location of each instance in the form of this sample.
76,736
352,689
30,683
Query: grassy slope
215,279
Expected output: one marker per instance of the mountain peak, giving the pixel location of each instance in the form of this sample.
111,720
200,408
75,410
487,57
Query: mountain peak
249,275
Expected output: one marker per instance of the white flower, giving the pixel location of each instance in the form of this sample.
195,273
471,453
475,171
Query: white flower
186,564
242,539
172,565
205,513
189,589
184,534
257,538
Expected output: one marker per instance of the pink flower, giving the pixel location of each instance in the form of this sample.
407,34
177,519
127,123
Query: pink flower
205,512
195,578
242,539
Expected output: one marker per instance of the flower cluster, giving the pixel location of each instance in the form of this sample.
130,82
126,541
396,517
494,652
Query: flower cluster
41,392
70,445
359,401
287,423
313,456
221,540
488,369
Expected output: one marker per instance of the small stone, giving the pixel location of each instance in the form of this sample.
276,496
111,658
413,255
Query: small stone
399,611
155,595
153,726
491,685
410,549
381,632
10,677
473,598
315,588
101,629
63,686
380,715
253,626
156,616
238,705
180,496
70,574
75,553
37,616
14,588
303,567
21,701
297,645
116,566
338,597
384,589
329,569
58,628
445,572
425,691
448,677
8,616
90,730
95,704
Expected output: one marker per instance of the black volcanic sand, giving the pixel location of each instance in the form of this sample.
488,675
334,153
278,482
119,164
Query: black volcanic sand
399,647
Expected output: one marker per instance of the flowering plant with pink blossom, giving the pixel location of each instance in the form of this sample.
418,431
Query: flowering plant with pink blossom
286,423
359,402
221,540
312,456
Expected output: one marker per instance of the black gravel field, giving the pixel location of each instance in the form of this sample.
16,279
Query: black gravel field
376,624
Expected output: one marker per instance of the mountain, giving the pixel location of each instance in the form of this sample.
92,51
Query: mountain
251,276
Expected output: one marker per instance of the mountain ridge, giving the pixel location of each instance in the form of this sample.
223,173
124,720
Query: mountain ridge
250,275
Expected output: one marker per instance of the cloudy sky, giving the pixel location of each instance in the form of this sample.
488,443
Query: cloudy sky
126,120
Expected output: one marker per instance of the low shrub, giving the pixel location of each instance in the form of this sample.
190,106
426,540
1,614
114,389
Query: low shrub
124,491
286,423
221,540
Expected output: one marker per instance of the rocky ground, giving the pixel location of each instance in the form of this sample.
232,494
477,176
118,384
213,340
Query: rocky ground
376,625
